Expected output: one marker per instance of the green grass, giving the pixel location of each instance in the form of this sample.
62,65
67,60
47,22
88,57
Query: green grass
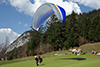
61,61
13,61
50,60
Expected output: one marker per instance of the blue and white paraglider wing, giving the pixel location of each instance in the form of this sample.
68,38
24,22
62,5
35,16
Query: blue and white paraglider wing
45,11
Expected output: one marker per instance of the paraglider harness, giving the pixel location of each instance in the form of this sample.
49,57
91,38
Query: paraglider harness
40,59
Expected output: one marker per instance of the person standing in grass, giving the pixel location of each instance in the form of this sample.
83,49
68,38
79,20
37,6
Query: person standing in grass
36,60
40,60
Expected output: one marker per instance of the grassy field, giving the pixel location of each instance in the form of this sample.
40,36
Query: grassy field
69,60
60,61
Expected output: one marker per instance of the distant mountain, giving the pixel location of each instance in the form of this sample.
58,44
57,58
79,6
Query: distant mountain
20,41
8,32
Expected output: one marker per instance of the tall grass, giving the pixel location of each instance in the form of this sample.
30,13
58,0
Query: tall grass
91,46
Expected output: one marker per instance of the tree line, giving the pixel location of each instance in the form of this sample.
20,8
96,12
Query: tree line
75,31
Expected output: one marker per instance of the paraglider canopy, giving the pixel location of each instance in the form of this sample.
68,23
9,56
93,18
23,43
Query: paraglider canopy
45,11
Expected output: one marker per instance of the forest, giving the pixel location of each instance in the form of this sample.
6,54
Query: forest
77,30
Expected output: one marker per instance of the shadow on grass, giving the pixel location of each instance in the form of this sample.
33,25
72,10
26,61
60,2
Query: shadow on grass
41,64
79,59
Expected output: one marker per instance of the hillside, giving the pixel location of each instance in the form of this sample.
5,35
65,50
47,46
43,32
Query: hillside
20,41
91,46
74,32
